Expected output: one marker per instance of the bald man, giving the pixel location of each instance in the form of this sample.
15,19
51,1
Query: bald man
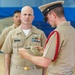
27,36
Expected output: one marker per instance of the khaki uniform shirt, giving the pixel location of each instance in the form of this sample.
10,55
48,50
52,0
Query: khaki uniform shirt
16,39
4,34
65,59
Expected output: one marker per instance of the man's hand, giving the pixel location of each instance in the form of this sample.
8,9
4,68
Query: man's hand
23,52
41,49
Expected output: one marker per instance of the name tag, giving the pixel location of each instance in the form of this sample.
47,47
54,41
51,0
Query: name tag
16,40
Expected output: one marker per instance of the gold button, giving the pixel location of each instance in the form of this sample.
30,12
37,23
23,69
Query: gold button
26,68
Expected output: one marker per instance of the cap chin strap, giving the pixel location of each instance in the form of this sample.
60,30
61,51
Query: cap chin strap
57,43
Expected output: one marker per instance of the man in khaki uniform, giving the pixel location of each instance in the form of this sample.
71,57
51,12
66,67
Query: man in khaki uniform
17,22
59,53
27,36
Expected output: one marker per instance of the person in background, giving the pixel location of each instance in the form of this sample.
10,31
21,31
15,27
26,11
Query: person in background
27,36
17,22
59,52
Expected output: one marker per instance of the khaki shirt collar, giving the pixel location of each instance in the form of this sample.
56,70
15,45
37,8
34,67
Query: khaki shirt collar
13,26
33,30
65,23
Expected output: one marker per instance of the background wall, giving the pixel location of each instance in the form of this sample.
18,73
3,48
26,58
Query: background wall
33,3
7,8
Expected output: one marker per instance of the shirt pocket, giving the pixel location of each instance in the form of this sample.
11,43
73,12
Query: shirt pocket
17,43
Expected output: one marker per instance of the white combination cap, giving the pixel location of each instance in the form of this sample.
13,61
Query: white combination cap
47,7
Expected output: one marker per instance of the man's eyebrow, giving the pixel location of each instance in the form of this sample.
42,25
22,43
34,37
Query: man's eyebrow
27,14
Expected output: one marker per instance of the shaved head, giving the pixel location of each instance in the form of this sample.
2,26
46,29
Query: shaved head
27,8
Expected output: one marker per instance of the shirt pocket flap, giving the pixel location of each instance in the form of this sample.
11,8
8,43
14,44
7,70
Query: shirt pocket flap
18,42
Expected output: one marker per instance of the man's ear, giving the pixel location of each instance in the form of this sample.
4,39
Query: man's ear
54,14
33,17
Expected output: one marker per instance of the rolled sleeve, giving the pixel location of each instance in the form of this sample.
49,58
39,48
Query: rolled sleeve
7,48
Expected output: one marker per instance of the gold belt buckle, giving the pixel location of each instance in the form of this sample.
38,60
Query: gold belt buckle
26,68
